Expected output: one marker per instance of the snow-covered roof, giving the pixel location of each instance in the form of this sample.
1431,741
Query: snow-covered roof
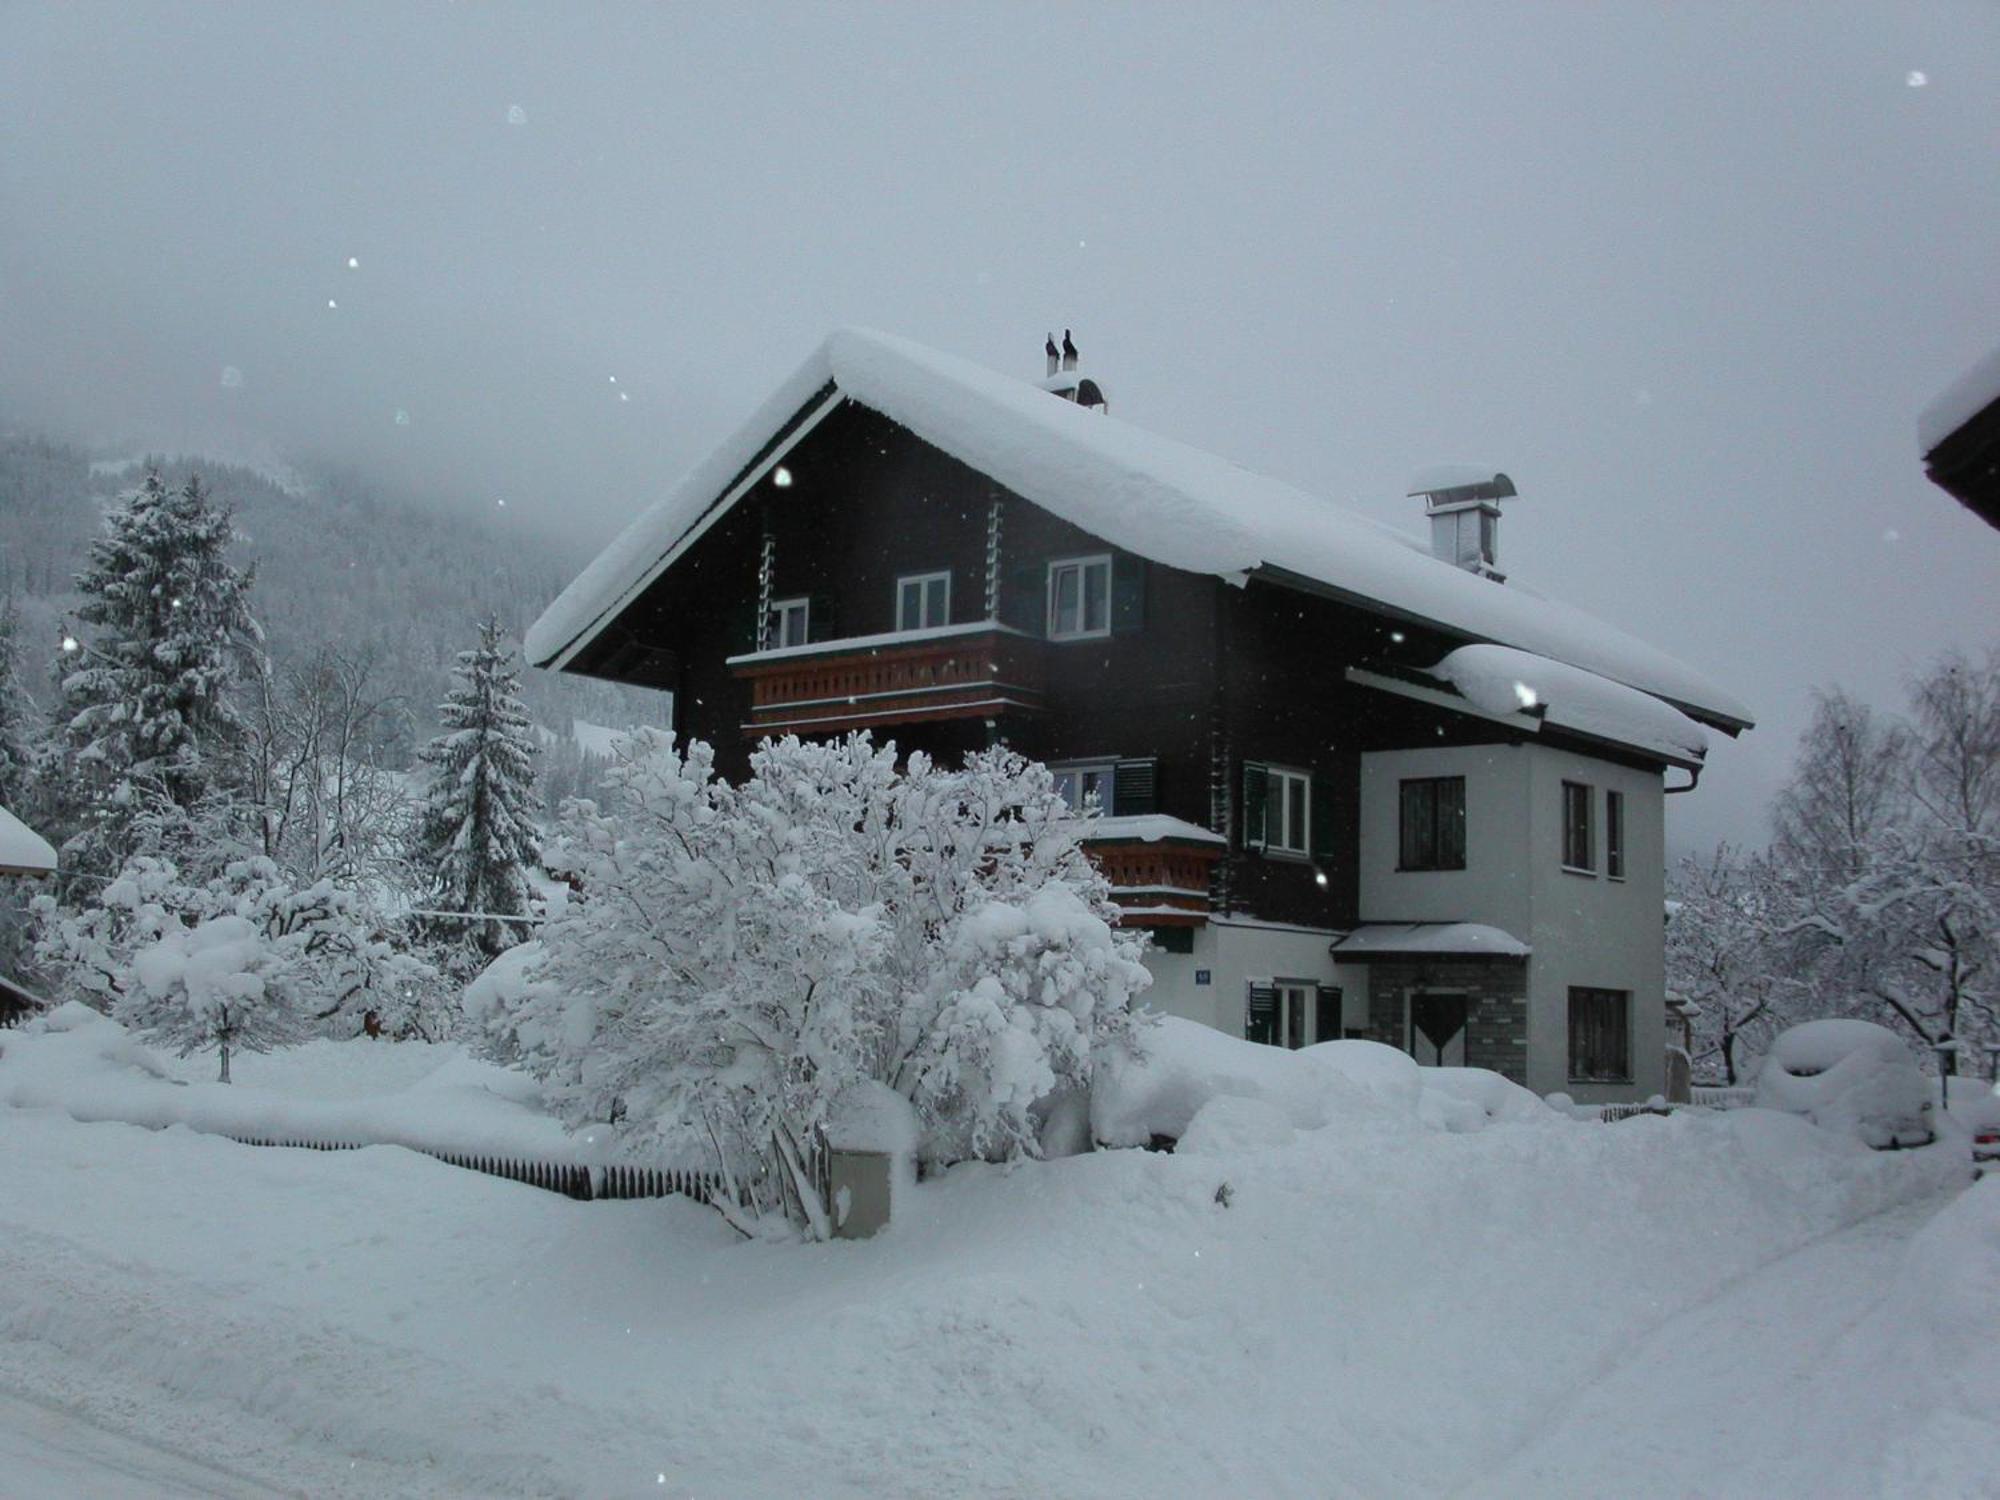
1503,681
1148,494
1151,828
1454,939
1961,401
22,850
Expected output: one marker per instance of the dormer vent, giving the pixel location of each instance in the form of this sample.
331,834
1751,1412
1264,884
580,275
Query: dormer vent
1064,379
1463,503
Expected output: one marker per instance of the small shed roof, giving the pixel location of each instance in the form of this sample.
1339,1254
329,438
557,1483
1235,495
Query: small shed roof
1387,940
22,850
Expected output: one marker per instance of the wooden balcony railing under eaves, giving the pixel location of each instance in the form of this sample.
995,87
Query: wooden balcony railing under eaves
981,670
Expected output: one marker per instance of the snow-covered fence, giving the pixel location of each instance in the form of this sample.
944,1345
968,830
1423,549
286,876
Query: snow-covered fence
582,1183
1723,1098
1612,1113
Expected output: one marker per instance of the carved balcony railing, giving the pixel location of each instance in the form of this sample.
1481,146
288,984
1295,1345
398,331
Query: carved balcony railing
978,671
1159,868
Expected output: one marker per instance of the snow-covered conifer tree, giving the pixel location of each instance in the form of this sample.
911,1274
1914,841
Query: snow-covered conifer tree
146,692
476,836
15,714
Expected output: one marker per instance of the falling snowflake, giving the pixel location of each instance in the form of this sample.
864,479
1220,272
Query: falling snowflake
1892,535
353,262
402,417
516,115
331,303
622,396
501,503
1916,78
232,378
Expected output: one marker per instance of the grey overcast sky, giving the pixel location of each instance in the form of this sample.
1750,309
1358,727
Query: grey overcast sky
1688,273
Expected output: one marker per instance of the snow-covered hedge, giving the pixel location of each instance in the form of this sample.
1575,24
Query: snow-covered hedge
740,956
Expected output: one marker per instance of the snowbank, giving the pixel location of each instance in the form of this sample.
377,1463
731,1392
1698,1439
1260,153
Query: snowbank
88,1067
1173,1090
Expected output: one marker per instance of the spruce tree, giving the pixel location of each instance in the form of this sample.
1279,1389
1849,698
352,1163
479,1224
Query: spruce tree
146,698
476,835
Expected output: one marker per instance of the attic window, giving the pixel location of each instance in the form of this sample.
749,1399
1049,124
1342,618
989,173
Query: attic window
1079,598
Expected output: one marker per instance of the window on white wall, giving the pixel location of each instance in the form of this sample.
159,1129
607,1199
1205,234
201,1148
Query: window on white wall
1432,824
1600,1035
1579,849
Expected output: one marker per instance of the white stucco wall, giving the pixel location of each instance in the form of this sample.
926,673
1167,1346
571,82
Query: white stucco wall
1232,953
1593,930
1584,929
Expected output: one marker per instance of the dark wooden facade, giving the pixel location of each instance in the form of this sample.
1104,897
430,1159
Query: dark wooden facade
1200,675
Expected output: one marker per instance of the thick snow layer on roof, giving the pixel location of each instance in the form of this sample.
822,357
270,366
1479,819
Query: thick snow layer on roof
1467,938
1502,680
22,850
1151,495
1434,477
1151,828
1967,396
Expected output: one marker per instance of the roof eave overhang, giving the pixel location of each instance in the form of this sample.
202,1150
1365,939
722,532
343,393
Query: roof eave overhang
1729,724
788,436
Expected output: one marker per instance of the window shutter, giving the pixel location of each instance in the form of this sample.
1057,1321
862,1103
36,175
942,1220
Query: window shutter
1256,794
1135,787
1260,1013
1327,1014
1128,593
822,620
1451,823
1322,819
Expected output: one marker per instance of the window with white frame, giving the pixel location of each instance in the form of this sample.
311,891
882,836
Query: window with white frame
790,623
1288,812
1076,784
1079,598
923,601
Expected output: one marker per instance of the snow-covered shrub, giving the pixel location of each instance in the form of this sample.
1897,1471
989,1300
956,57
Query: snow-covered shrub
1853,1077
739,956
218,984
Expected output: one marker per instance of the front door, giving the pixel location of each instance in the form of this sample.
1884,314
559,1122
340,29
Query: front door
1437,1030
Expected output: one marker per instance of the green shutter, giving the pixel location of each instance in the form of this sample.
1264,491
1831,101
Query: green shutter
1256,793
1260,1014
1322,819
1135,788
1128,593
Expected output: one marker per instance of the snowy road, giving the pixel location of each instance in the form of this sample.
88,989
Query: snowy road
49,1454
1779,1385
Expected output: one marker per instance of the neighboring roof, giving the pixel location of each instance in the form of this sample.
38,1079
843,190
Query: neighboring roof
1503,682
1150,828
1960,436
1380,940
1148,494
22,850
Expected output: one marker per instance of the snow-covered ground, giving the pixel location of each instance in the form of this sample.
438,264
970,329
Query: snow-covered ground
1721,1305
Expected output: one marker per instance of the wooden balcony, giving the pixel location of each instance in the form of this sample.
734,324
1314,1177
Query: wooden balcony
1161,880
979,671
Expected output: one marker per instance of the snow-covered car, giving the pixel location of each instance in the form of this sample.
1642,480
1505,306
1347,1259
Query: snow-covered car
1853,1077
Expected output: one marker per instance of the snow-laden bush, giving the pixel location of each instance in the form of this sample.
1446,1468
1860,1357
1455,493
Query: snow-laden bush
740,955
328,949
218,984
1852,1077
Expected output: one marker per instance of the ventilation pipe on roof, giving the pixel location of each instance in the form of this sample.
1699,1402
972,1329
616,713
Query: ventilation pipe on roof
1463,503
1064,379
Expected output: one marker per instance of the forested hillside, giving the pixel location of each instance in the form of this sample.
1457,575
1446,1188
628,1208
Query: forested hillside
339,561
